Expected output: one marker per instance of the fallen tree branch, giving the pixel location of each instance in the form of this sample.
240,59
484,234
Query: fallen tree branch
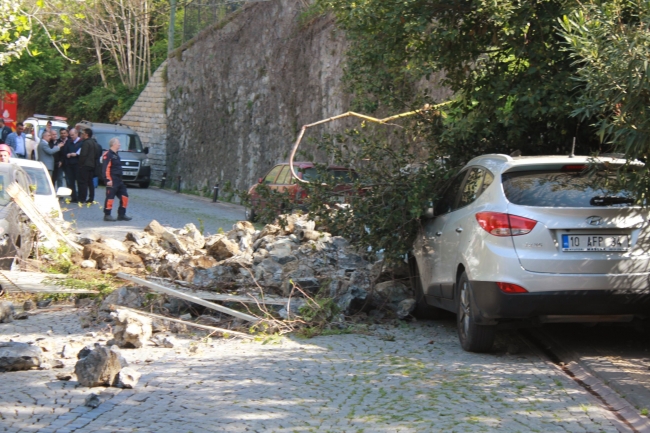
42,222
196,325
194,299
383,121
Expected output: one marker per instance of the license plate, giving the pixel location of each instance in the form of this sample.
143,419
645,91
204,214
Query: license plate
129,172
595,243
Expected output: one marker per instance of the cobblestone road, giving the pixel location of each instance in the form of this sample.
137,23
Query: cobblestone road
413,378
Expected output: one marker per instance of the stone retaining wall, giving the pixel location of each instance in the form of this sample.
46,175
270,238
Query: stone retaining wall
239,93
147,117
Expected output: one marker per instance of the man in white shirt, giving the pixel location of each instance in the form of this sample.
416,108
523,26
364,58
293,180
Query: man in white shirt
16,140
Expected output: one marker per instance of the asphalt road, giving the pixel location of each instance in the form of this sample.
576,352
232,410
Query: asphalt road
168,208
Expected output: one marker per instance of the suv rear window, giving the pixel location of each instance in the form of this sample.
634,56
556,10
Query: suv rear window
559,188
128,142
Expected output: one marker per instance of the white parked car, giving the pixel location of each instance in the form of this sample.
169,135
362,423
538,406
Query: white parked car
46,200
540,239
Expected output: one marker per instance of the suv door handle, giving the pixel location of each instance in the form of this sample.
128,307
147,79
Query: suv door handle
459,230
438,233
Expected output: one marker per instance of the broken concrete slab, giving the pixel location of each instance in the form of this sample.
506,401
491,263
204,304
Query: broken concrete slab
127,378
131,330
16,356
108,258
124,296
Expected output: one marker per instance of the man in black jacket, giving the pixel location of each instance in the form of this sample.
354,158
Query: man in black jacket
112,173
88,160
4,131
71,162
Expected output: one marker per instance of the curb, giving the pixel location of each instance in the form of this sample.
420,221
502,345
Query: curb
625,414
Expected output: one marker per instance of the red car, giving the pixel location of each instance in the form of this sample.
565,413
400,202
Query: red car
279,178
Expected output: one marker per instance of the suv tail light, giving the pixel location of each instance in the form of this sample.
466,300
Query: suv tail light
503,224
511,288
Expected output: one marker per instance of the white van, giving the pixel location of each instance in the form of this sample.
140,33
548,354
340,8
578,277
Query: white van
37,124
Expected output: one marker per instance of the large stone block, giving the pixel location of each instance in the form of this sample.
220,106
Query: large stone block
98,367
221,248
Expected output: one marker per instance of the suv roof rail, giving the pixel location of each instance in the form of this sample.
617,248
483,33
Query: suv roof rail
48,117
88,122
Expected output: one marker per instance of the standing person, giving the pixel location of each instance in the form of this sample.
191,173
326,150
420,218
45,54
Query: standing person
16,140
46,154
88,160
5,153
31,144
57,178
71,156
112,172
4,131
48,128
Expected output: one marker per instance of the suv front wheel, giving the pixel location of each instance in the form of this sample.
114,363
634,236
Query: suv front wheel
473,337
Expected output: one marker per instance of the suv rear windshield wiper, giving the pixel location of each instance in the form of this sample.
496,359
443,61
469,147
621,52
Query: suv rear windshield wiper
609,200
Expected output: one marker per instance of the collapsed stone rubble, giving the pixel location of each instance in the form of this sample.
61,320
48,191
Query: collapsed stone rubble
275,259
291,259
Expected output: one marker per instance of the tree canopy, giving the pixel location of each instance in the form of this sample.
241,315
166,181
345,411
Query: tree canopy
80,59
526,75
513,83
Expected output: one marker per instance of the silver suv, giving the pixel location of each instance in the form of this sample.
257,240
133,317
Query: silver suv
136,166
543,239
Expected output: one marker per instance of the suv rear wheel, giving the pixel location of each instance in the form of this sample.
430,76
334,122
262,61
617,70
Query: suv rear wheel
473,337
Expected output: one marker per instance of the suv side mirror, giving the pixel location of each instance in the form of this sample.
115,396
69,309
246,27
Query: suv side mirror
146,150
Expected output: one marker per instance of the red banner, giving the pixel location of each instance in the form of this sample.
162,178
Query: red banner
9,109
